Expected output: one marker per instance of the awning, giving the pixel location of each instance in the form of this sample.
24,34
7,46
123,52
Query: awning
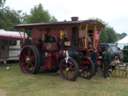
9,35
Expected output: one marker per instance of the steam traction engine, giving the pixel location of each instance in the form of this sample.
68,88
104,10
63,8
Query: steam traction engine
69,46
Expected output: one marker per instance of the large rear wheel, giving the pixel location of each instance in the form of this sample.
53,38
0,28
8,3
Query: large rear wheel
30,59
69,70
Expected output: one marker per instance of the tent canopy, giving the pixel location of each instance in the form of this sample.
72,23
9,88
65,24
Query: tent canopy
123,42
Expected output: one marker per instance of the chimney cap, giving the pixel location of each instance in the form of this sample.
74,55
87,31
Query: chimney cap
74,18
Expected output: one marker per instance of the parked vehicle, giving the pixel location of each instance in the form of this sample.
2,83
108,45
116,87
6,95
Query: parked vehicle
10,45
65,46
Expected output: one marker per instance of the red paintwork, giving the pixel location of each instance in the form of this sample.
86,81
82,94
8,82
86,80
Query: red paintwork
50,61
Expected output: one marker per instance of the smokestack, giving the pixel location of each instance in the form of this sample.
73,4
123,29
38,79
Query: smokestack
74,18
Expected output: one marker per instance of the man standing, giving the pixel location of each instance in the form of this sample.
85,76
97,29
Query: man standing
107,58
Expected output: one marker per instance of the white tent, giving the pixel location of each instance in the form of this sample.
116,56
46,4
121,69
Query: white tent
12,34
123,42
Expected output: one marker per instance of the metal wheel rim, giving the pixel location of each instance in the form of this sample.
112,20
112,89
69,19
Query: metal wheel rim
27,66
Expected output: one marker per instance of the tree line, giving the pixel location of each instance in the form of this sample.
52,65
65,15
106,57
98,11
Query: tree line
109,35
9,18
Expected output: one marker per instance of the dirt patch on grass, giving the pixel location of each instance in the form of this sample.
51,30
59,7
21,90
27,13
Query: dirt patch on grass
2,93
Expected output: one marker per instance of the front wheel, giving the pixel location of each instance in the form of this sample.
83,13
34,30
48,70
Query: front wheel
30,59
69,70
87,70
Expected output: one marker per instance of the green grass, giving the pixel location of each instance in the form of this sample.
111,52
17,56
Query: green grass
14,83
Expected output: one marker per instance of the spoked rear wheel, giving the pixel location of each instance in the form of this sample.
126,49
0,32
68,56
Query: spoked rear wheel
88,69
30,59
69,69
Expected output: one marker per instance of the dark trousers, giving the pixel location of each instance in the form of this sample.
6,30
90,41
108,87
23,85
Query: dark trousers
94,58
106,67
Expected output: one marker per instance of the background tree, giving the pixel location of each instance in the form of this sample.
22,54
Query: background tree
108,35
8,18
38,14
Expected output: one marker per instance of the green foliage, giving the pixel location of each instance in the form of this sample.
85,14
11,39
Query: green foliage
38,14
108,35
8,18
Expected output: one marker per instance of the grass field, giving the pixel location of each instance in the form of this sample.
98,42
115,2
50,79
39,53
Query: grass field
14,83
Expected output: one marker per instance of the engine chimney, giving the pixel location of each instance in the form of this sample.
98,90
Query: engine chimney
74,18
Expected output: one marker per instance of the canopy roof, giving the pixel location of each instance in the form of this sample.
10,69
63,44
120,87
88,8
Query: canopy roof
124,40
7,35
